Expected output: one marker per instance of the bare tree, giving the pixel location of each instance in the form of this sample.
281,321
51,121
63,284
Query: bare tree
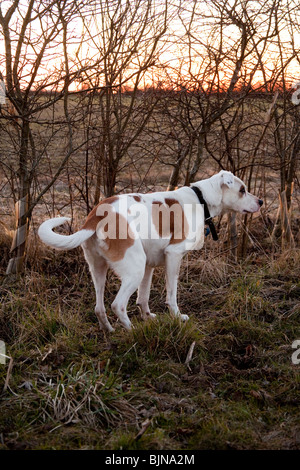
43,70
31,34
129,39
235,59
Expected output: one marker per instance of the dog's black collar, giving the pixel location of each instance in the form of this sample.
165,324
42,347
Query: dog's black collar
208,219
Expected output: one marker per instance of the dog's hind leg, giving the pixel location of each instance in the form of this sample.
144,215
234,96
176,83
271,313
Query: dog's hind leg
144,294
172,264
131,270
98,268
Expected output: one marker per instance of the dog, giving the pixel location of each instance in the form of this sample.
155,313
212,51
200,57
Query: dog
134,233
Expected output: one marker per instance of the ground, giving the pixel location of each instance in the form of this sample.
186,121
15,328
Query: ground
223,380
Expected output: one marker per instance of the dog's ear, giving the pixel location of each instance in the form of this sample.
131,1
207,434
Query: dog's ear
227,178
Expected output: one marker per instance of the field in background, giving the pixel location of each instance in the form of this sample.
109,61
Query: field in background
147,165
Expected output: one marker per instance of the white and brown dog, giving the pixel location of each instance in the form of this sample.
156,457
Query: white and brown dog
133,233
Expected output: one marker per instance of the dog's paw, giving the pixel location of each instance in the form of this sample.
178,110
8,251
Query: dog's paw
110,329
184,317
126,323
147,314
150,315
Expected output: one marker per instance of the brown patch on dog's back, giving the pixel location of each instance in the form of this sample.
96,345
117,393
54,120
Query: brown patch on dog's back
137,198
117,247
163,218
120,236
170,202
93,219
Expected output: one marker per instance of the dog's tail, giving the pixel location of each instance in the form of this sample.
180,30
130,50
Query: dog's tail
62,242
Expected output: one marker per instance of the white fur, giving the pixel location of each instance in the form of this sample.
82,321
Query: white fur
61,242
222,193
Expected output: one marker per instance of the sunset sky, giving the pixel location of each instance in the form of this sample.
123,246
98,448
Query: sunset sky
187,52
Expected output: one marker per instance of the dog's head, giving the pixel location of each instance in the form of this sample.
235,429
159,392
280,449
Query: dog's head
235,196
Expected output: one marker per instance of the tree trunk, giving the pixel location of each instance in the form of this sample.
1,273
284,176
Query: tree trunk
174,178
18,247
232,235
287,239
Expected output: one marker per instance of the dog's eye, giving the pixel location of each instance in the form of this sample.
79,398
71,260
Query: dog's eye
242,190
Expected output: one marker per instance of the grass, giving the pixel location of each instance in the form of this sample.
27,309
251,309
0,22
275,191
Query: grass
73,387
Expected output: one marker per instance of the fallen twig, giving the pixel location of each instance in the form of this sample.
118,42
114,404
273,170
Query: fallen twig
190,353
10,365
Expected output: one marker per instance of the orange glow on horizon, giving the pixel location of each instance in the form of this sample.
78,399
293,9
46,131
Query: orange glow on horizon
174,68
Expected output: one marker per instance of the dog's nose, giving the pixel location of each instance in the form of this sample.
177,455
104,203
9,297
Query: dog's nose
260,202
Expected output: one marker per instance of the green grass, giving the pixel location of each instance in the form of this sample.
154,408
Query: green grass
73,387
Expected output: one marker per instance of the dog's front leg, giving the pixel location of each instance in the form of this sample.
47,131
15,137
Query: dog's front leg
172,263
